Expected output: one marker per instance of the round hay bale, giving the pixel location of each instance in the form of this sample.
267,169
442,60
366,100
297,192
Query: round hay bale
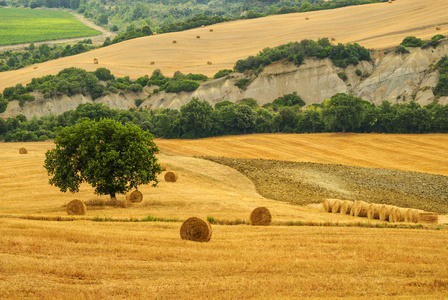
333,39
35,67
163,166
198,37
428,217
336,208
411,215
211,30
307,18
152,63
23,151
361,209
95,61
398,214
196,229
202,26
174,42
438,28
346,207
390,1
170,177
374,211
260,216
134,197
209,63
328,204
76,207
385,212
154,33
352,210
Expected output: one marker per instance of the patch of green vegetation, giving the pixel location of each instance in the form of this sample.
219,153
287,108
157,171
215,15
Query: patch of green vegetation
242,83
13,60
413,42
20,25
296,52
441,88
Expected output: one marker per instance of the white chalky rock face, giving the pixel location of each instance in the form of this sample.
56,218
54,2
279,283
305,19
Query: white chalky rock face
392,77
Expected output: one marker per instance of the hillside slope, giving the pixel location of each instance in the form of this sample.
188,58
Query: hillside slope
411,152
392,77
376,26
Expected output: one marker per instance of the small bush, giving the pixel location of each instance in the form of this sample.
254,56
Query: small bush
358,72
412,41
222,73
343,76
400,49
242,83
138,102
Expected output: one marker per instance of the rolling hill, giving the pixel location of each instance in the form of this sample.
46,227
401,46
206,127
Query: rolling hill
376,26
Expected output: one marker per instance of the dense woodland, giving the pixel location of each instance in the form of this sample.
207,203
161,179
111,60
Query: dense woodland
199,119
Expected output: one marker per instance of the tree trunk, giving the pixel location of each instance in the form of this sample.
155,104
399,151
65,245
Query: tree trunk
113,197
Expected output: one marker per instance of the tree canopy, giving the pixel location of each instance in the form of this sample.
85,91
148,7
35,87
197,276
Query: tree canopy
112,157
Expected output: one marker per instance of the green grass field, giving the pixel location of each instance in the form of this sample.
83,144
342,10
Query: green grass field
21,25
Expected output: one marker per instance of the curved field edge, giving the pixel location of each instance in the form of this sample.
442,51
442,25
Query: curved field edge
308,183
20,25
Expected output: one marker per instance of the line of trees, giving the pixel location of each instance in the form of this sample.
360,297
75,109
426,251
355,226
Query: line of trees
341,55
12,60
73,81
199,119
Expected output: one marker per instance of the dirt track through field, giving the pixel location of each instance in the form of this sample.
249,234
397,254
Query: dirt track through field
376,26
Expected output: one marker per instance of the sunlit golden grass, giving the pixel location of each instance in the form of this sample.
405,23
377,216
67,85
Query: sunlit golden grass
376,26
124,252
149,260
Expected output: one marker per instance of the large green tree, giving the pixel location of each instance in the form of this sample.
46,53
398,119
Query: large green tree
195,118
112,157
343,112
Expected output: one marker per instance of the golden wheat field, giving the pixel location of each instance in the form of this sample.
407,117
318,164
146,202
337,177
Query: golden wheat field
45,254
375,26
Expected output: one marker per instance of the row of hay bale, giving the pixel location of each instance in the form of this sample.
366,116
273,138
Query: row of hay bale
382,212
200,230
77,207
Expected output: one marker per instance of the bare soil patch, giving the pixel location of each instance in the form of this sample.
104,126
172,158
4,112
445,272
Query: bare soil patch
306,183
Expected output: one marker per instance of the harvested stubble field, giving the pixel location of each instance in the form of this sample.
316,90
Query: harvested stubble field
376,26
112,259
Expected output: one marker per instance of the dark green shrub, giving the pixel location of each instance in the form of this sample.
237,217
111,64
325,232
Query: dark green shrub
222,73
400,49
138,102
3,105
223,104
177,86
242,83
412,41
197,77
358,72
343,76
